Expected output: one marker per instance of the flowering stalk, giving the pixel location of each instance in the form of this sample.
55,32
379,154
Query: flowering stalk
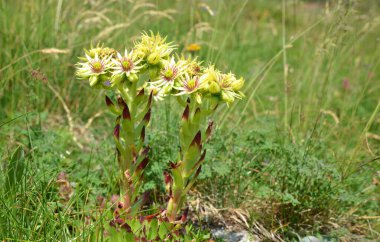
129,136
204,92
107,69
145,73
192,154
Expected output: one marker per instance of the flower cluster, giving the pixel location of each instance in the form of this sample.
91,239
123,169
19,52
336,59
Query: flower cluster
161,73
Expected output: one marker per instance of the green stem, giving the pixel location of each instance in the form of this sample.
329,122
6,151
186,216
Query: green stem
186,172
181,101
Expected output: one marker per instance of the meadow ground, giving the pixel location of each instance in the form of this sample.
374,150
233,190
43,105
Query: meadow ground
298,156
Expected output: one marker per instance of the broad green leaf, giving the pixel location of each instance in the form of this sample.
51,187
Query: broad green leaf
153,227
135,225
163,230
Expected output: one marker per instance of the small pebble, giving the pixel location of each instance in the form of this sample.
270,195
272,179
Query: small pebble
231,236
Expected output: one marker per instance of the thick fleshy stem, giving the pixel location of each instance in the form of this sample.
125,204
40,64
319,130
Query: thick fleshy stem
133,112
192,155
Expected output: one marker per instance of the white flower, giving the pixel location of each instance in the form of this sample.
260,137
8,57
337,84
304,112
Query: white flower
127,64
167,77
158,94
188,85
93,66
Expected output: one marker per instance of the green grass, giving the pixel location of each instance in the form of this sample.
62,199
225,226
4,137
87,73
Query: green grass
299,153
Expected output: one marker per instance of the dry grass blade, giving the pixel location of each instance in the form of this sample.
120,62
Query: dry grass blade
331,114
207,8
265,235
199,29
68,114
109,30
100,14
55,51
373,136
164,14
141,5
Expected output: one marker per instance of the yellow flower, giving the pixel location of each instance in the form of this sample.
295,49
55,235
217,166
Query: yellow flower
210,76
193,47
237,84
194,67
153,48
102,52
128,65
213,88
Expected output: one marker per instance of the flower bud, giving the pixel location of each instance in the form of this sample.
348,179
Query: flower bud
133,77
142,51
167,89
153,72
198,98
93,80
93,52
154,58
107,52
237,84
104,78
227,97
214,88
140,55
116,79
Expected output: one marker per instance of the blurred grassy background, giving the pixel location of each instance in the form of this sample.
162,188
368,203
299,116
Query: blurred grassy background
299,154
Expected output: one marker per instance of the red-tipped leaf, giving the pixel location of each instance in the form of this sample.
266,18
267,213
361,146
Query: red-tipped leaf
116,131
145,151
147,116
126,113
185,115
109,101
184,215
142,134
150,99
197,140
121,102
168,178
174,166
197,172
209,129
141,92
143,164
